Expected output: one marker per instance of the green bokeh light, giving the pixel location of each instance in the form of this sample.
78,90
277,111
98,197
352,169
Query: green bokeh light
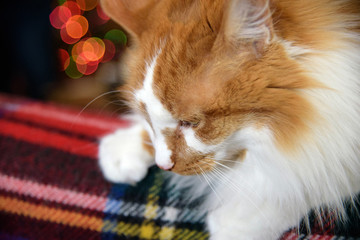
61,2
72,70
116,36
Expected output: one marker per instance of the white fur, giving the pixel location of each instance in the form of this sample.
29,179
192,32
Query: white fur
160,118
195,143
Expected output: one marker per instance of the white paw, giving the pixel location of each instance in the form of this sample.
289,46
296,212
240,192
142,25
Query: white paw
122,157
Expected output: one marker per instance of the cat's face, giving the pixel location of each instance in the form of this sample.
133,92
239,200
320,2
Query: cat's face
207,86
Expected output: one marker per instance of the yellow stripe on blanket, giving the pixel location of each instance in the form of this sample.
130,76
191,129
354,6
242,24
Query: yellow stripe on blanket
74,219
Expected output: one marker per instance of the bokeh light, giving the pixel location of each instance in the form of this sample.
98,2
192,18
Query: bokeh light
77,26
86,50
89,50
116,36
72,70
66,37
61,2
64,59
87,5
59,16
88,68
94,49
73,7
109,51
87,54
101,13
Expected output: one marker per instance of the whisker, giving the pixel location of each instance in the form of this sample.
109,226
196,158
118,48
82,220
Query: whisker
197,174
242,178
118,111
235,162
237,188
119,102
230,161
223,165
122,104
96,98
91,102
225,160
209,183
222,176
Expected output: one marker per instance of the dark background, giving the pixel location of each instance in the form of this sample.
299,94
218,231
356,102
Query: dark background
30,64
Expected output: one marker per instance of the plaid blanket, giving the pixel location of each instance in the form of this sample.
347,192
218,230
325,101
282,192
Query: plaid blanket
51,186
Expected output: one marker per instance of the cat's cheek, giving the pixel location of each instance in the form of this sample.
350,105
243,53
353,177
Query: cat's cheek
196,144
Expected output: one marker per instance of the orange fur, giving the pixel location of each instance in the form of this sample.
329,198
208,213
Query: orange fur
147,143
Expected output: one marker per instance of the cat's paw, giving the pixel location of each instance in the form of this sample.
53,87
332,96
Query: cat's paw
122,157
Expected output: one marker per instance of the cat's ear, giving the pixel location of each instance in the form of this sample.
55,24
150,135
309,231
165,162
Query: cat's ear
248,21
129,14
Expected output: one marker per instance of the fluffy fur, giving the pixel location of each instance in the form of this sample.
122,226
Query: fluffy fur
259,98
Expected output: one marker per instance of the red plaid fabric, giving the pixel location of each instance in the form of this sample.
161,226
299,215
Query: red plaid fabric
51,186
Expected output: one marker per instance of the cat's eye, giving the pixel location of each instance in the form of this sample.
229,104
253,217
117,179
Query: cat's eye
188,124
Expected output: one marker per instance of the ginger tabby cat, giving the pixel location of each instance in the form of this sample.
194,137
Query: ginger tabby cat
260,98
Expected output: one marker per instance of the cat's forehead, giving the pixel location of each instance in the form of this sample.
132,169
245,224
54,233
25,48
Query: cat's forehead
184,26
179,88
186,11
180,75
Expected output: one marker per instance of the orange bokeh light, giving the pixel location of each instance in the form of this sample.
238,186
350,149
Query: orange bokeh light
94,49
87,54
87,5
77,51
88,50
74,29
77,26
65,36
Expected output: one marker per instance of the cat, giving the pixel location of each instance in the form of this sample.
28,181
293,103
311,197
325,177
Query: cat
261,98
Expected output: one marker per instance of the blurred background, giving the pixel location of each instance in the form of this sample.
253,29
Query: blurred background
65,51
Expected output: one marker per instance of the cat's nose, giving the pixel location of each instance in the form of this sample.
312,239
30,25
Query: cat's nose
166,167
163,161
163,156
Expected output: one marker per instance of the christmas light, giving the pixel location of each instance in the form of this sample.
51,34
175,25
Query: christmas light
86,49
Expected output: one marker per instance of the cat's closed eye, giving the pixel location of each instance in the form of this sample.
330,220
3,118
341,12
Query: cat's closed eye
188,124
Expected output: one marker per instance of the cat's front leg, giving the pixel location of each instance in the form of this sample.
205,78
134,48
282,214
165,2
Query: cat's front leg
241,221
123,155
